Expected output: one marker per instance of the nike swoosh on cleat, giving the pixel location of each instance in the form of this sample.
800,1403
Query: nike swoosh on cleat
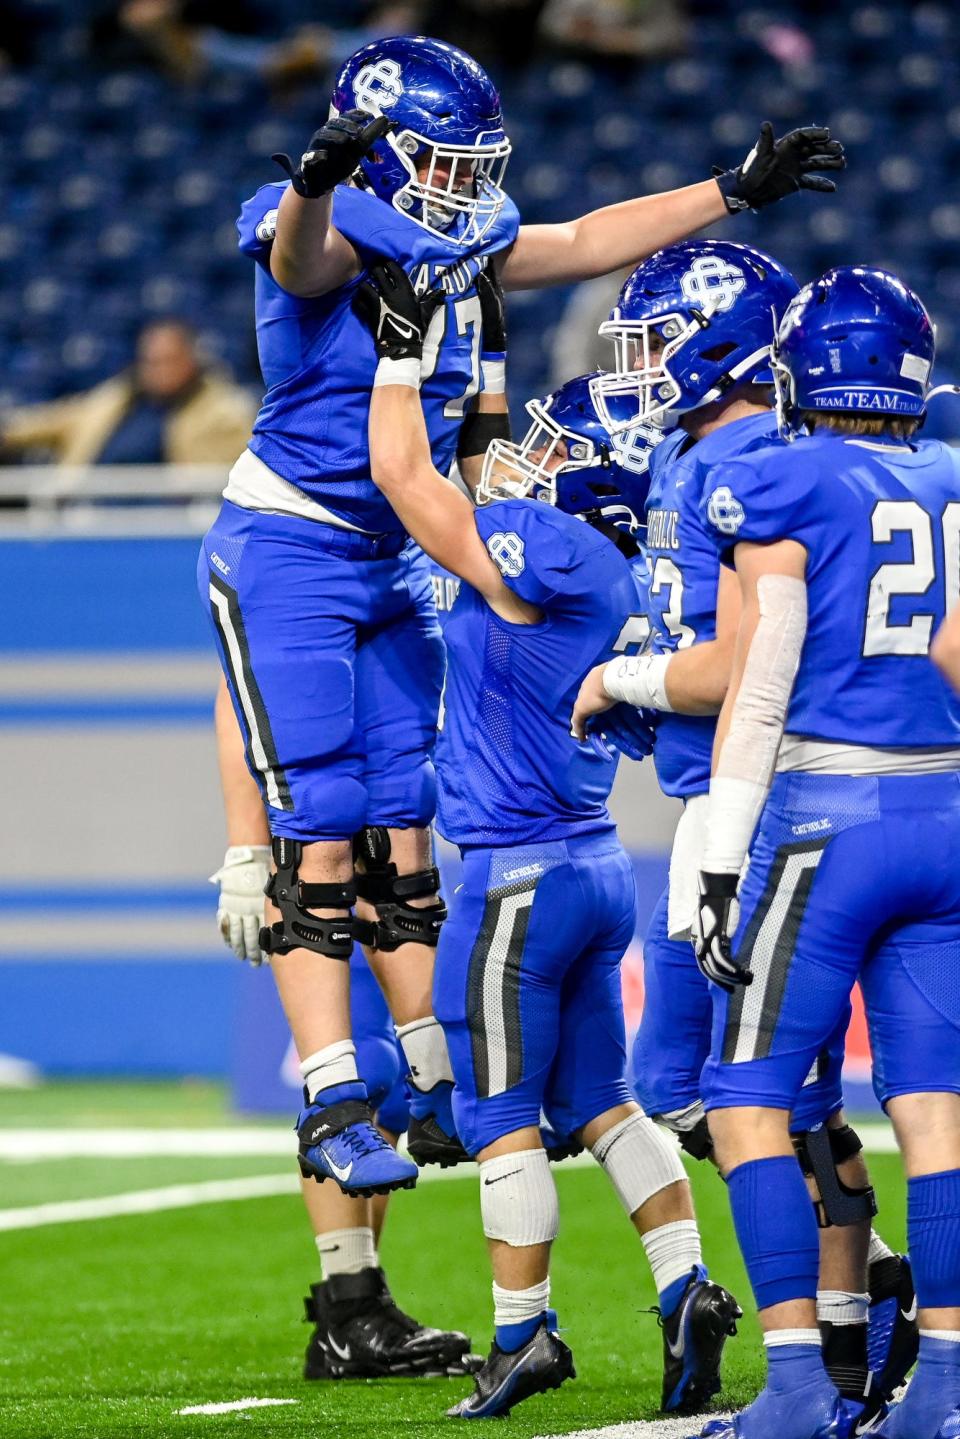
911,1313
342,1174
343,1353
502,1176
677,1350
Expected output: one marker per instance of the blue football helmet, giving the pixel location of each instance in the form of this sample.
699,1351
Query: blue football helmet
856,340
443,160
569,458
691,322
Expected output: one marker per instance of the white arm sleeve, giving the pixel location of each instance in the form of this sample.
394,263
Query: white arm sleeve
744,767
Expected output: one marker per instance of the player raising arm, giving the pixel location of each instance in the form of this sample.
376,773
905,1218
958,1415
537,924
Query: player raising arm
693,329
527,982
839,736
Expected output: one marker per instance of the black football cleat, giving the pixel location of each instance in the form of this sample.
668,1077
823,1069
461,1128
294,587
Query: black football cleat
845,1360
893,1335
360,1333
693,1340
543,1363
429,1143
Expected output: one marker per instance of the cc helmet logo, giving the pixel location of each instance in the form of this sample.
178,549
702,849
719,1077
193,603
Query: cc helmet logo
378,86
506,551
712,283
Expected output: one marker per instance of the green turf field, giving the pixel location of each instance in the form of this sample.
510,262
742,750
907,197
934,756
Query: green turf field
110,1326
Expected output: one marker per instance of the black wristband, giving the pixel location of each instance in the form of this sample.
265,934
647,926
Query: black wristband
478,430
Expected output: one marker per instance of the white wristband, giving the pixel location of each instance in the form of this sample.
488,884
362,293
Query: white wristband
639,680
398,372
494,374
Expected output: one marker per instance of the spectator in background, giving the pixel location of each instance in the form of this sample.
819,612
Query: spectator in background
168,407
617,29
282,46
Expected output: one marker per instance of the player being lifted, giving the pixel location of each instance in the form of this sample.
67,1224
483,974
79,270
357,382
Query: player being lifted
841,738
327,634
693,329
528,968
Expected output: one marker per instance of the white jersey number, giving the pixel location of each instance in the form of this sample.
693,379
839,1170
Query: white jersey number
909,577
635,630
467,315
666,576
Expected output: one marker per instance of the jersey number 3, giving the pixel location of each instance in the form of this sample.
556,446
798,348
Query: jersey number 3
909,577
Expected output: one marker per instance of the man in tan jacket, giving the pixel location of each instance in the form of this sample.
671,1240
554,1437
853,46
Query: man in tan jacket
166,408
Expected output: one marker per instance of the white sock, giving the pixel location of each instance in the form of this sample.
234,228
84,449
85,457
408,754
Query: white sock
839,1306
878,1250
425,1049
513,1306
775,1338
946,1336
640,1158
346,1251
335,1064
672,1251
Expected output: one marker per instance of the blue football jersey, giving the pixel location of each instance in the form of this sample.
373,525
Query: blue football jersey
684,573
881,526
318,359
446,587
508,772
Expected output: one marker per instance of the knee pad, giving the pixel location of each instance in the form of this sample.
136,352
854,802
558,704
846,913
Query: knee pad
398,922
297,928
820,1152
518,1199
691,1129
639,1159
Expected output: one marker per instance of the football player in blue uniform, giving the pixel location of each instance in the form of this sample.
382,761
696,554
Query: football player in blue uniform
322,609
359,1332
527,982
693,329
840,737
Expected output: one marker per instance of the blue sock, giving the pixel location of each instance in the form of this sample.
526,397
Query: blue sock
933,1226
776,1228
511,1337
337,1093
934,1391
670,1297
799,1399
436,1103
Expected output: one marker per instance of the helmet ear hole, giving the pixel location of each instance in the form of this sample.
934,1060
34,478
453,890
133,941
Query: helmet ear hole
716,353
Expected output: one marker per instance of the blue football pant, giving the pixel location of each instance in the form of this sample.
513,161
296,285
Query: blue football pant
673,1042
849,878
332,651
527,986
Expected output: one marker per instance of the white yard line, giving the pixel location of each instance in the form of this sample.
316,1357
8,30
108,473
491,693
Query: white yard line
234,1405
148,1201
637,1429
878,1139
239,1142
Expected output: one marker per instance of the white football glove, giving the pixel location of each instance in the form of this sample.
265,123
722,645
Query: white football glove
715,923
245,871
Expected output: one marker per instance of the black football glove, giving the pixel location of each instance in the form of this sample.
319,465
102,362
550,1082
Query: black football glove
493,320
718,913
335,152
775,168
395,315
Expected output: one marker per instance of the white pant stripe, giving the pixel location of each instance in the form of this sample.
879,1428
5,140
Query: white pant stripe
493,975
219,601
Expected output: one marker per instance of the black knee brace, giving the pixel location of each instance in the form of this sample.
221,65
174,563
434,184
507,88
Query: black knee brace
297,928
820,1151
398,922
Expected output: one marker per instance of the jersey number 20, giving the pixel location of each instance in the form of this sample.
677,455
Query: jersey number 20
909,577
